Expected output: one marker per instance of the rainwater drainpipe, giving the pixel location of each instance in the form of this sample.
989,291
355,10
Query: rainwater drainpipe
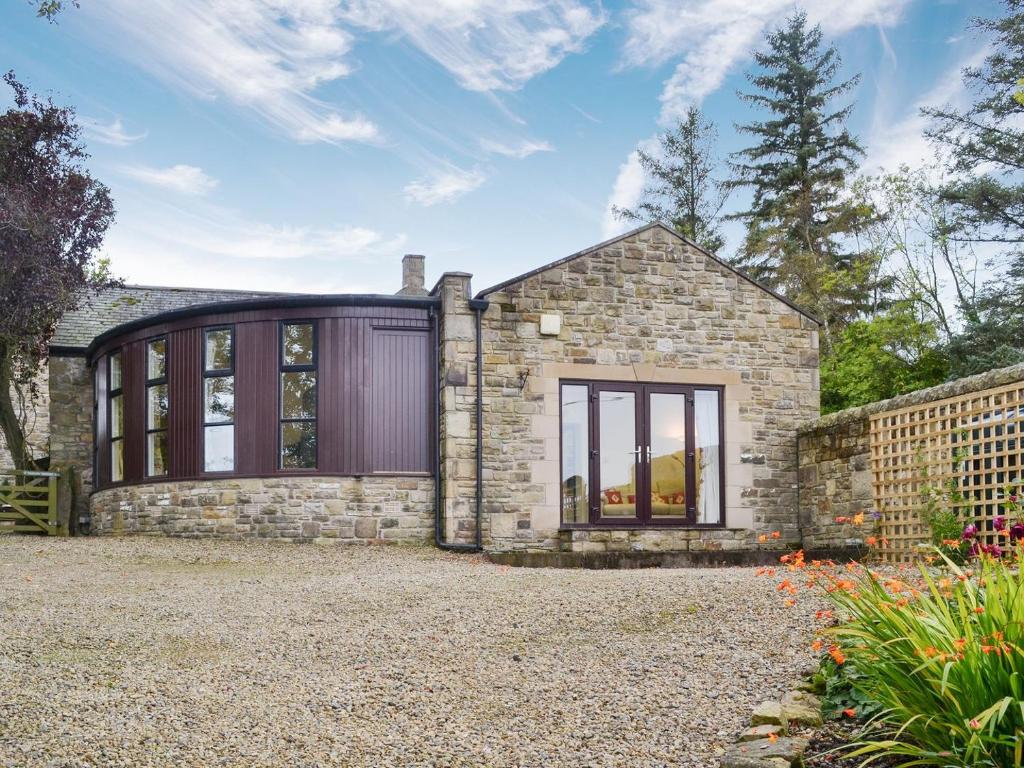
479,306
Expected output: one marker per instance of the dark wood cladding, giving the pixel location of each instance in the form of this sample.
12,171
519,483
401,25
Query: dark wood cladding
374,393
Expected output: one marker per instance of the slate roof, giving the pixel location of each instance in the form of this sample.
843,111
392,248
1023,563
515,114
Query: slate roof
114,306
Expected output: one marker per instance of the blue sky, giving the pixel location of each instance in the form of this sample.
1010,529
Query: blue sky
305,145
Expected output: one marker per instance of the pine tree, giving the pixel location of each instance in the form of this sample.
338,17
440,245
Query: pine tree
802,222
682,189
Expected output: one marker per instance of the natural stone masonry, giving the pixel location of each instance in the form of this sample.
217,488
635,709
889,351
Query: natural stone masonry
380,509
37,422
71,425
835,453
648,307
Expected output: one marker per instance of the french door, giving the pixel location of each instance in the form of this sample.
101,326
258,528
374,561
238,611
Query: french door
654,454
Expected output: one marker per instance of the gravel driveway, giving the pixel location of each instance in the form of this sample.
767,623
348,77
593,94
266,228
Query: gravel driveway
151,652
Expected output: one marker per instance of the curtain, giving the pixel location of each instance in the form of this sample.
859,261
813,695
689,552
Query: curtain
705,419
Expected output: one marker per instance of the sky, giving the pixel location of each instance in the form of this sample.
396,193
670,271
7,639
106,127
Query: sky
306,145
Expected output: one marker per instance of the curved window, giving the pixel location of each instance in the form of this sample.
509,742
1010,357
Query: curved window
218,400
156,407
115,393
298,396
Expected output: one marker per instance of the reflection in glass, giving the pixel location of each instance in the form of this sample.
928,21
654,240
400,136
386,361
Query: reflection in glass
668,454
617,446
156,359
156,461
156,407
706,436
219,398
298,344
115,371
218,350
117,460
298,395
219,448
117,416
298,444
575,452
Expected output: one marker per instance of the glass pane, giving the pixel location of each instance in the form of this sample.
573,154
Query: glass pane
156,359
156,407
220,399
218,350
117,416
575,451
117,461
219,449
156,454
115,371
298,444
709,455
617,444
298,344
668,454
298,395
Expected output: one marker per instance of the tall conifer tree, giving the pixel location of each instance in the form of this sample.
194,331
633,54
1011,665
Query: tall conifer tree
802,221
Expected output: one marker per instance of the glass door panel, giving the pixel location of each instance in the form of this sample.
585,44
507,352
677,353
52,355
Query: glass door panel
619,452
707,459
667,454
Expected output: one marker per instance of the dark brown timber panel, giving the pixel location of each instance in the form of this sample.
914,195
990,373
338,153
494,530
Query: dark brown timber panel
374,390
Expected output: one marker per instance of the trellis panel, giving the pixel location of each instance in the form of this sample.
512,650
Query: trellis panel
970,443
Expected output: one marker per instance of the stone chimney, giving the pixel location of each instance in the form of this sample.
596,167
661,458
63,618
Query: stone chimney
412,276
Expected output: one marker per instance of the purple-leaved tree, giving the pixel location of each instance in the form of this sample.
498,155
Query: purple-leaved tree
53,216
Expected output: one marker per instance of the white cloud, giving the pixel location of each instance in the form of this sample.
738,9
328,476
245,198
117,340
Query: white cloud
711,37
629,186
273,56
155,242
186,179
265,55
112,133
525,148
444,186
487,45
897,139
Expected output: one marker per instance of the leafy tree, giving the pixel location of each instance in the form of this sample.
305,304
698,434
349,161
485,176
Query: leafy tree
802,222
50,9
683,190
986,193
893,352
53,216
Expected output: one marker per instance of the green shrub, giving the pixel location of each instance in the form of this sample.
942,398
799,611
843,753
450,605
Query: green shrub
943,659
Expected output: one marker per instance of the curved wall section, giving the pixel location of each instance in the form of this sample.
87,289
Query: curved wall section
320,386
343,509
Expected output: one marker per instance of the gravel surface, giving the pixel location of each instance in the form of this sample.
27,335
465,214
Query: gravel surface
153,652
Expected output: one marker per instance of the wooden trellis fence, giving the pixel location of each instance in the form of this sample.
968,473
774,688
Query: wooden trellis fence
28,503
964,451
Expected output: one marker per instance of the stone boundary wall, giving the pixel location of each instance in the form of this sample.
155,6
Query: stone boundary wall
834,454
37,422
394,509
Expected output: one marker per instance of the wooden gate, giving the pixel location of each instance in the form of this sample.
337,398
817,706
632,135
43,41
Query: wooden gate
28,503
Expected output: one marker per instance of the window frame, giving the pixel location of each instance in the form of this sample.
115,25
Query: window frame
219,373
644,390
111,394
311,367
163,380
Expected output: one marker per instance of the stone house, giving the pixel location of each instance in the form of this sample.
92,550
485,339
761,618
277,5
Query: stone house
640,395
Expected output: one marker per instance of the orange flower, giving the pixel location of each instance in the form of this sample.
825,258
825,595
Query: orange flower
790,603
762,538
772,737
776,534
816,646
872,541
858,519
837,655
823,615
850,712
980,609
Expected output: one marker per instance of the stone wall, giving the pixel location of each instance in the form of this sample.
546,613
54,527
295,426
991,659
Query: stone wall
71,426
647,308
835,481
397,509
37,421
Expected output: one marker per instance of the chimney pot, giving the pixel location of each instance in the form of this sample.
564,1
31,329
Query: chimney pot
413,275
